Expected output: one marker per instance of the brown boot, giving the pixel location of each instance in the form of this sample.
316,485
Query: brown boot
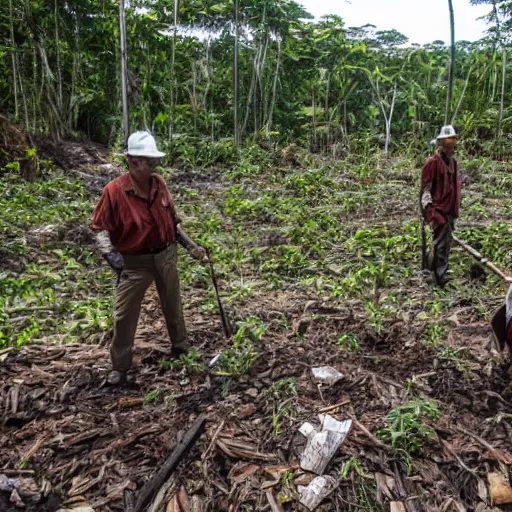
177,352
116,378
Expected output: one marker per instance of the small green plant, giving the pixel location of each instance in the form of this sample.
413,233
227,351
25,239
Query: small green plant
191,361
434,335
282,410
153,396
253,327
284,393
349,341
288,491
375,316
352,464
13,166
406,429
283,388
452,355
238,359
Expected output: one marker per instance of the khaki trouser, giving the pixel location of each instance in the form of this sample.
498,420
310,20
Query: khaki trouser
442,240
138,273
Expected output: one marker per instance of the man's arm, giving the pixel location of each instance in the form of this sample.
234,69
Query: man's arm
427,177
113,257
195,250
103,223
103,243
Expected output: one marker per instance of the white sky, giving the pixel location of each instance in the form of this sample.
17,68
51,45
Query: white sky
422,21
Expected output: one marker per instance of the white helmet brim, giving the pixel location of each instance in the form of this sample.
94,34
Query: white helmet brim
145,154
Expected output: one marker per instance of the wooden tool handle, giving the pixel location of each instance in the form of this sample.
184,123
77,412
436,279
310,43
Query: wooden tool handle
480,258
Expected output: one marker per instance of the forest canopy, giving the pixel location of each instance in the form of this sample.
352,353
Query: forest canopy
300,80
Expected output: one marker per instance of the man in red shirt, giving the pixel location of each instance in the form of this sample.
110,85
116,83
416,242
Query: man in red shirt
440,199
137,234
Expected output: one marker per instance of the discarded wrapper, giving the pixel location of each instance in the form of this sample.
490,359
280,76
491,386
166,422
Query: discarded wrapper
326,375
213,360
22,491
7,484
16,499
322,443
312,495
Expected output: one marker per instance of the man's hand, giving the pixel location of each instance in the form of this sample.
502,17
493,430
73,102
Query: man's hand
199,253
116,262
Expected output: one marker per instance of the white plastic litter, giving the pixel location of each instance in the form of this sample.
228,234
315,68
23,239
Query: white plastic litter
214,360
326,375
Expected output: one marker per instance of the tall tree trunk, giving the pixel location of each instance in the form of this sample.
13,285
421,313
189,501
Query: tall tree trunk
503,84
195,101
25,104
173,69
497,40
72,108
36,101
274,89
14,62
451,70
345,117
494,76
313,103
249,96
466,83
262,98
326,107
389,119
60,101
124,70
236,135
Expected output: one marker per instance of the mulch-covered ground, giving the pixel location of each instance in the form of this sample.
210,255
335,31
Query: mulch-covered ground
85,441
69,441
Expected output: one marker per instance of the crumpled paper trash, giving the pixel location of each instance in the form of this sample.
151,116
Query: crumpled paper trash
323,442
312,495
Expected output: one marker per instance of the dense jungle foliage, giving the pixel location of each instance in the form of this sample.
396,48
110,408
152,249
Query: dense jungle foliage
315,83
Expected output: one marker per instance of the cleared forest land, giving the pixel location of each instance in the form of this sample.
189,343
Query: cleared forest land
318,265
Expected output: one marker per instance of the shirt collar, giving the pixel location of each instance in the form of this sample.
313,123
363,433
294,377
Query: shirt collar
444,157
130,189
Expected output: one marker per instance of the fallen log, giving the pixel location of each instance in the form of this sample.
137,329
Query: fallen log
163,474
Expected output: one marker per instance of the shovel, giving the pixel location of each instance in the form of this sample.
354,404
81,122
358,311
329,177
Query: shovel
499,319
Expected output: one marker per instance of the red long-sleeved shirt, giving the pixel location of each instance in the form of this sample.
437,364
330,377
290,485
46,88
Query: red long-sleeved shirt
136,224
442,178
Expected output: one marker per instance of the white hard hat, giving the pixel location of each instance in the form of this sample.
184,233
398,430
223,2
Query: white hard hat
143,144
447,132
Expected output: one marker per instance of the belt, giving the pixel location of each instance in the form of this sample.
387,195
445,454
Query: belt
154,250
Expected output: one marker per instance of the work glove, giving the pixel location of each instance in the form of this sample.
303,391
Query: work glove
199,253
116,262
